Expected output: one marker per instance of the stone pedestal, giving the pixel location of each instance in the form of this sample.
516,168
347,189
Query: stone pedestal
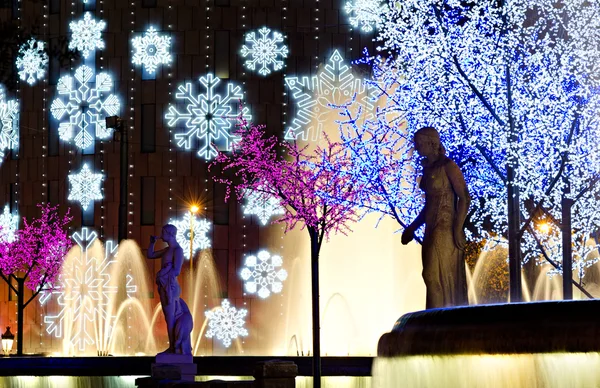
174,367
275,374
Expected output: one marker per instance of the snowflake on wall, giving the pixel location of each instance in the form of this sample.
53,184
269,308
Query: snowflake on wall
262,273
263,205
86,34
151,50
9,223
32,61
84,290
85,186
226,323
265,51
209,118
201,227
85,106
367,14
335,85
9,124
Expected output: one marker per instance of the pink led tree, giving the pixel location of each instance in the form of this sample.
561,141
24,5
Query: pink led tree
34,259
301,180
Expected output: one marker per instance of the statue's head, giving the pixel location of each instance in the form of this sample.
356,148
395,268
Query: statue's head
428,144
169,233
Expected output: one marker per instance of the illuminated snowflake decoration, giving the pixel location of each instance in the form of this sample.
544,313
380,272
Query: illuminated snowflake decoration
226,323
84,290
85,106
334,85
367,14
262,273
201,227
264,51
151,50
263,205
209,118
86,35
32,61
85,186
9,223
9,124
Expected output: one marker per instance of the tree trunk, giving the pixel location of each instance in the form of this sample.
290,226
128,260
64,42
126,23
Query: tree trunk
567,261
314,262
20,317
514,238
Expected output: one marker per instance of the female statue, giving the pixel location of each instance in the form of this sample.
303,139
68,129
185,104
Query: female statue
446,204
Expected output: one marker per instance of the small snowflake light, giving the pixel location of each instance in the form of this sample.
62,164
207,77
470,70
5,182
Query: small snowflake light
85,186
210,118
85,106
151,50
366,13
32,61
264,51
263,205
9,124
86,34
201,227
226,323
262,273
9,223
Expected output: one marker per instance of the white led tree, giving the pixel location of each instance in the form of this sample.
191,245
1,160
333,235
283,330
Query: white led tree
85,186
262,204
366,14
334,84
32,61
262,274
9,124
209,118
513,87
9,223
85,105
201,228
226,323
86,34
264,51
151,50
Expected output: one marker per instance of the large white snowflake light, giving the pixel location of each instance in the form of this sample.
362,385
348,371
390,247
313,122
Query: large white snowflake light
32,61
9,124
264,51
226,323
263,205
151,50
85,186
84,290
262,273
201,227
9,223
335,85
209,118
367,14
86,34
85,106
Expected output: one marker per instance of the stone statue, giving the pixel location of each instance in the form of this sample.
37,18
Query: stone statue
446,204
177,314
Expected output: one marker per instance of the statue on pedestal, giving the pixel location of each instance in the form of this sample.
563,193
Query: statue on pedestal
177,314
446,204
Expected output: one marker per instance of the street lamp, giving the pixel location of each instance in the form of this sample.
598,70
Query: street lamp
193,210
7,341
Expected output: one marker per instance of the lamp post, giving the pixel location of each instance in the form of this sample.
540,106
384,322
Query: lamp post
7,341
193,210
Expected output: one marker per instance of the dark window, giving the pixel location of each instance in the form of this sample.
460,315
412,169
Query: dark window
221,208
222,3
53,138
53,192
222,54
148,200
6,3
148,3
148,128
54,7
13,197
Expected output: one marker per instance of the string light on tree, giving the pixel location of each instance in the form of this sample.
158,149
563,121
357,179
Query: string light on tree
226,323
32,61
151,50
262,274
264,51
85,186
86,34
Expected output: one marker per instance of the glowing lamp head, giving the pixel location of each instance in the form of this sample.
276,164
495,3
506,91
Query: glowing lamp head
194,209
544,227
7,341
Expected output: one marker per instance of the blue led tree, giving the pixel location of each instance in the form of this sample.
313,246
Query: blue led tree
512,86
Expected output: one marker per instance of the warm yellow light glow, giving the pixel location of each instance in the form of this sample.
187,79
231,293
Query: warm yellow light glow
544,227
194,209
